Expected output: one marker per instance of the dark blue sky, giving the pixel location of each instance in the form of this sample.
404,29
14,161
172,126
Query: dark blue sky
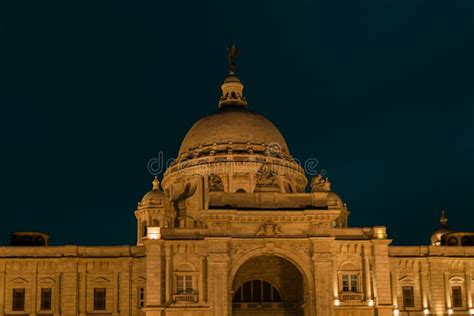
380,92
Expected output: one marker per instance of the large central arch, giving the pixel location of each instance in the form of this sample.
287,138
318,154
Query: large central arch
275,283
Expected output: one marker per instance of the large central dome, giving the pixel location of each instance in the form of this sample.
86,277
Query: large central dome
233,125
233,150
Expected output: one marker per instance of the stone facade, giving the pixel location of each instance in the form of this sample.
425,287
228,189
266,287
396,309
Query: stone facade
235,233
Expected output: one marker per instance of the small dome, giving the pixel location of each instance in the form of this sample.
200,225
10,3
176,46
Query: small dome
334,200
441,231
233,124
155,196
438,234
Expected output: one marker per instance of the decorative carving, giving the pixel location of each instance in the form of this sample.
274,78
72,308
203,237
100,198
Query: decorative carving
266,180
215,183
217,228
269,229
320,184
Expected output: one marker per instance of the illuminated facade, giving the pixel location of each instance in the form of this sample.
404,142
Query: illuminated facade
232,230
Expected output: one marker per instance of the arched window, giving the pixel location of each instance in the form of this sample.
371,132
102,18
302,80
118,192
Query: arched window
453,241
144,229
39,241
240,191
349,279
257,291
467,241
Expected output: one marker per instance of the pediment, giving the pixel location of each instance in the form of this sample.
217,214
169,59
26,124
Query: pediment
407,279
47,280
100,280
19,280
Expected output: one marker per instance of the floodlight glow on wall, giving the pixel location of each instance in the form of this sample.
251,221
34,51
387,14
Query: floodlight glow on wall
154,233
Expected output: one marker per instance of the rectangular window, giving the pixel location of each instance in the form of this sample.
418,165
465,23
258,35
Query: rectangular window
350,283
408,296
141,297
457,296
184,284
45,304
189,284
179,284
18,300
345,283
354,283
100,299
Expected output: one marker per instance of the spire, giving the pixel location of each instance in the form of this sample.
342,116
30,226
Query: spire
443,219
156,184
232,88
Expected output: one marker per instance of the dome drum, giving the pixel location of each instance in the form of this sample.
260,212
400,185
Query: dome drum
239,174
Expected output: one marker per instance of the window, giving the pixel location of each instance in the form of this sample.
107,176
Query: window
257,291
457,296
354,283
184,284
141,297
350,283
18,300
453,241
100,299
144,229
408,296
45,304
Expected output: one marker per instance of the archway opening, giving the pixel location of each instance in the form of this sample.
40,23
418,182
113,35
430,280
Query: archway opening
268,285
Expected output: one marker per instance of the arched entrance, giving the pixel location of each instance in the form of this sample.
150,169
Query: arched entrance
268,285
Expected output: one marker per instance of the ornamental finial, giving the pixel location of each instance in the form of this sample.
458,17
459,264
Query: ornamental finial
156,184
443,219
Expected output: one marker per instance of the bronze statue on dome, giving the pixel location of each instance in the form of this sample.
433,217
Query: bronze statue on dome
233,52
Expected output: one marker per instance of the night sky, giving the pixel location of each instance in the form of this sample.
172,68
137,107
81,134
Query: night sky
380,92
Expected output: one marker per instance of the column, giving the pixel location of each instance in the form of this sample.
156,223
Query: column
2,290
57,298
82,293
425,292
34,290
447,290
201,280
335,284
168,276
116,290
468,277
393,276
368,288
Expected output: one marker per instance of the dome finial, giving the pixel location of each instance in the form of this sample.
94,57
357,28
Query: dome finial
443,219
232,88
156,184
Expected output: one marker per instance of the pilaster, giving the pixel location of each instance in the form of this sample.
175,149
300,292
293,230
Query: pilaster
381,271
218,262
153,267
323,280
2,289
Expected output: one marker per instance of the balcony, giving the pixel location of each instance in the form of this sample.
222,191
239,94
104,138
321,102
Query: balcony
351,296
264,305
185,298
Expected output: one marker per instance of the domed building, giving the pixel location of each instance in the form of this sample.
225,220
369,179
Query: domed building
236,228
